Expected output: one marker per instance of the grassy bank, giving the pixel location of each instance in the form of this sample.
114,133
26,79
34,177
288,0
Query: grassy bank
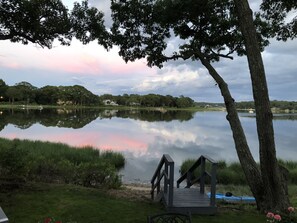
76,204
24,160
54,177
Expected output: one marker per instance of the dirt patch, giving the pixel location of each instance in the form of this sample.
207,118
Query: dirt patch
132,192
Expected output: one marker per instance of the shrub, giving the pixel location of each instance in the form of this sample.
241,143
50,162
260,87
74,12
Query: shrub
293,176
186,165
97,174
114,158
226,174
13,161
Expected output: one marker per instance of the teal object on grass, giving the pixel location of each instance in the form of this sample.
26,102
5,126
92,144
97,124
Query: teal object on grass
235,199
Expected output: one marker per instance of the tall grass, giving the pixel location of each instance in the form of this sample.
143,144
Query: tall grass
55,162
232,173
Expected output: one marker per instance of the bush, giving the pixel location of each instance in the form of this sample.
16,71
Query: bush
116,159
226,174
13,161
186,165
96,175
293,176
233,174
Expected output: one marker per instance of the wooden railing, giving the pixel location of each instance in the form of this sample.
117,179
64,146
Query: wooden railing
191,180
164,173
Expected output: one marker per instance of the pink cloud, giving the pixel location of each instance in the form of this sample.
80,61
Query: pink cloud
90,59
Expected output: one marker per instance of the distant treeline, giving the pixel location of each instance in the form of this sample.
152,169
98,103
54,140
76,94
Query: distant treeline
246,105
282,105
25,93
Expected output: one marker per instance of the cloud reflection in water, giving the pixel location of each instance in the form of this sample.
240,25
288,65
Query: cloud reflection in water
144,142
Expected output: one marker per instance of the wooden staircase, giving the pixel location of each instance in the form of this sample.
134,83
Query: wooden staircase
192,198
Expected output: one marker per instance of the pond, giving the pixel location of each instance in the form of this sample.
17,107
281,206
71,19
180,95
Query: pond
144,136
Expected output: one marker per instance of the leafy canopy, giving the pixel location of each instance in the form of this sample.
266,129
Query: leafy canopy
43,21
143,28
281,18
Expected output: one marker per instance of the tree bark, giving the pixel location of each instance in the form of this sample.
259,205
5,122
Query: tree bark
249,165
275,193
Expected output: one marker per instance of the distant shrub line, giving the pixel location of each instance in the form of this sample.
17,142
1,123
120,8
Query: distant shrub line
24,160
232,173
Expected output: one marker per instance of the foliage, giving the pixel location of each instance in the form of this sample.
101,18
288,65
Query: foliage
88,24
24,92
232,173
43,21
287,216
77,95
3,89
281,105
151,100
208,31
34,21
281,22
143,29
53,162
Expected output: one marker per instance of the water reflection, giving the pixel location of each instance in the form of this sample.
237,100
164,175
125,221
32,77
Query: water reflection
143,136
78,118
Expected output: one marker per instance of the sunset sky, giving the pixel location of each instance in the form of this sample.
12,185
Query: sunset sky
105,72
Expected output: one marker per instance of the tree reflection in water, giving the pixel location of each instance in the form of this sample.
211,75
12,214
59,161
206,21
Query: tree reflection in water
143,136
78,118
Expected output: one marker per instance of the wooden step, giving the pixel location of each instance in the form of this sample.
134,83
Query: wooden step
190,200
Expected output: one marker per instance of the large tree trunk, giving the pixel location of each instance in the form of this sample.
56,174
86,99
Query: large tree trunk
275,193
249,165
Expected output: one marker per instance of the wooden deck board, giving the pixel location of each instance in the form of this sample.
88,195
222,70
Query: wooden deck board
184,199
190,199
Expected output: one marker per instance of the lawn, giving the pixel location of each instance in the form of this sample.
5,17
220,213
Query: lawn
76,204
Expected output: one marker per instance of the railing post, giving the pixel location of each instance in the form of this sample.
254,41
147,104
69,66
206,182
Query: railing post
171,181
213,184
189,177
202,181
158,180
152,190
165,178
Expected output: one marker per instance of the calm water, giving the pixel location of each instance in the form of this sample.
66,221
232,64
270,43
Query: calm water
143,136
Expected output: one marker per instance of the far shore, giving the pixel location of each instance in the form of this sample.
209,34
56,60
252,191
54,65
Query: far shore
161,109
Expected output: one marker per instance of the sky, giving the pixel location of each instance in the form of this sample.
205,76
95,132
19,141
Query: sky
102,72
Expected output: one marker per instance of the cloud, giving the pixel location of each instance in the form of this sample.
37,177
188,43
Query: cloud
172,80
90,59
105,72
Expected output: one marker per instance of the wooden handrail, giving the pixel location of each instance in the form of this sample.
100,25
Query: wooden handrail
201,179
165,170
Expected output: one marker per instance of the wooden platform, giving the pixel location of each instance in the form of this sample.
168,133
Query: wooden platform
190,200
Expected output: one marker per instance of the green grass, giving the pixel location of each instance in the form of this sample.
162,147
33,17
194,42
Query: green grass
27,160
71,203
232,173
35,201
77,204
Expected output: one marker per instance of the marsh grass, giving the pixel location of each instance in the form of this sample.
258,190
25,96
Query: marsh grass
232,173
27,160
